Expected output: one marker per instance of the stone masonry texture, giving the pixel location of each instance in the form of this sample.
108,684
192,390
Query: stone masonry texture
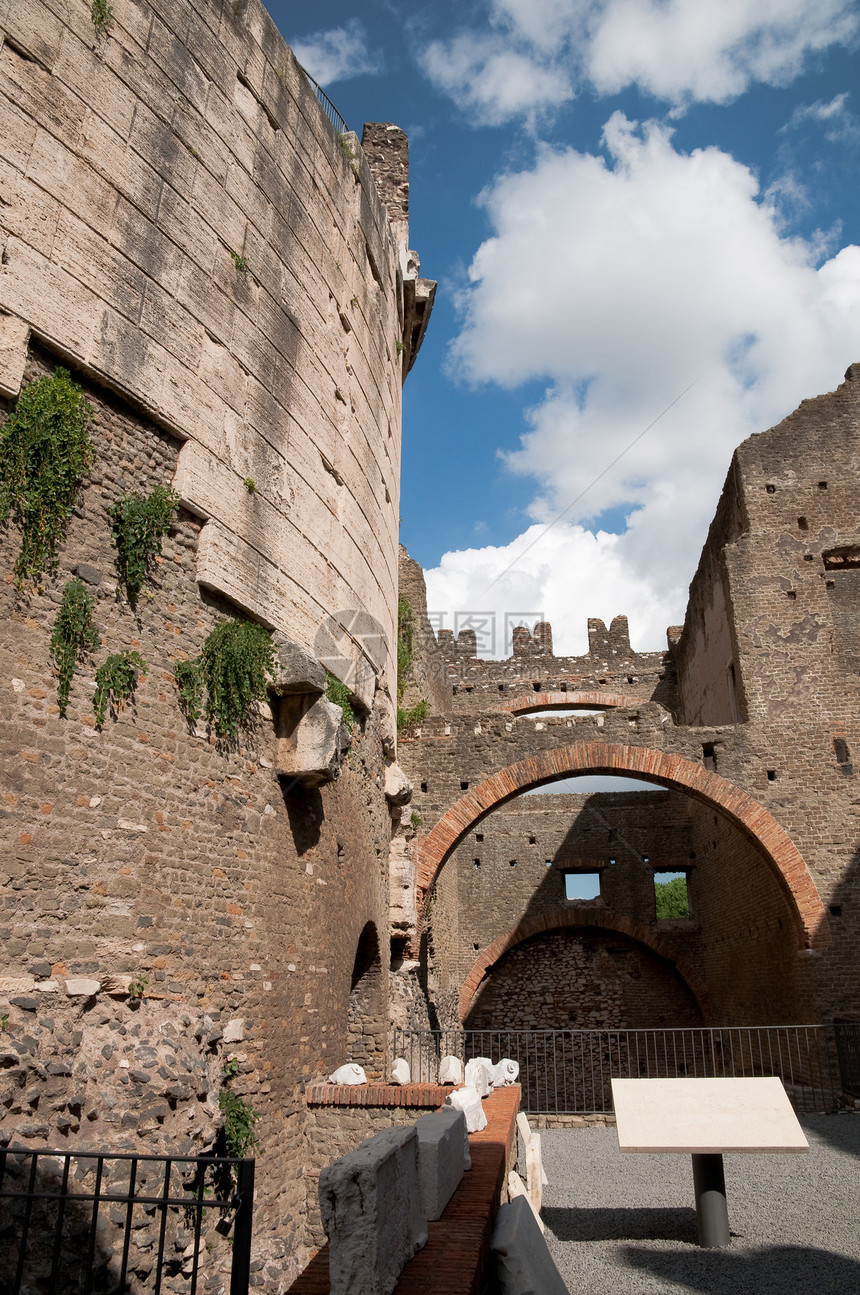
184,230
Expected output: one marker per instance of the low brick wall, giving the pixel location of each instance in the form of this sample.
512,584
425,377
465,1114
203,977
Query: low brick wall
341,1116
454,1259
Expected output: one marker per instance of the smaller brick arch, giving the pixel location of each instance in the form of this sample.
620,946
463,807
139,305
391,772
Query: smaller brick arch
583,918
661,767
550,700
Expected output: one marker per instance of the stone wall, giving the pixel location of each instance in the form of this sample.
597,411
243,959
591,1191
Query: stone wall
186,232
183,222
582,980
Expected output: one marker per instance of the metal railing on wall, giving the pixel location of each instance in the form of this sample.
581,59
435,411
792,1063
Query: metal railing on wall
569,1071
327,106
100,1223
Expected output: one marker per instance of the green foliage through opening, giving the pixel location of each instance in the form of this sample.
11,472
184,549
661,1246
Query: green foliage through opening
671,898
74,636
45,449
116,683
139,522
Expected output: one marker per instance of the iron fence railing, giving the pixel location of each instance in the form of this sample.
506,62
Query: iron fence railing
100,1223
569,1071
848,1052
327,106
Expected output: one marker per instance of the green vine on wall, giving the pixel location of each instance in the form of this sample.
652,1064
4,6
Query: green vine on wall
233,667
189,684
116,683
138,523
45,449
407,718
239,1116
74,636
339,694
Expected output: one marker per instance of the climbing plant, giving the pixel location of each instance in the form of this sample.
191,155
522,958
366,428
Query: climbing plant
116,682
189,683
139,522
239,1116
233,669
407,718
74,636
45,448
338,693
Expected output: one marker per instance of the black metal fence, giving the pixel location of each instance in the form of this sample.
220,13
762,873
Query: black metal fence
569,1071
848,1053
88,1223
327,106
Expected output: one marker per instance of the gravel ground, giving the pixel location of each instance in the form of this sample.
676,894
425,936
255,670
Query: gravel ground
618,1224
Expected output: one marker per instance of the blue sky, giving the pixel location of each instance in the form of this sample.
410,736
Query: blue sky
628,205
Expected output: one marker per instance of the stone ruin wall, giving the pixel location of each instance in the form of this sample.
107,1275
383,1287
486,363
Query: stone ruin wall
510,870
139,167
775,598
782,562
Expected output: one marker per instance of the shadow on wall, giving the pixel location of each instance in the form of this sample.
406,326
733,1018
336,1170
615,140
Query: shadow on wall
366,1018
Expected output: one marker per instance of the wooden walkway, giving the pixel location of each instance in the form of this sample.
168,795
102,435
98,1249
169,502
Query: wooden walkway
453,1260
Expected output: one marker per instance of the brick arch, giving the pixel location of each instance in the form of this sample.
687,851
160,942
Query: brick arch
595,919
545,700
657,766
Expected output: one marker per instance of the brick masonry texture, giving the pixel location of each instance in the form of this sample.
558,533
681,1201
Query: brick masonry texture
183,229
749,719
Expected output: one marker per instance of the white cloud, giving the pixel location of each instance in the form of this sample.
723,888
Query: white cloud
535,54
337,54
839,123
621,282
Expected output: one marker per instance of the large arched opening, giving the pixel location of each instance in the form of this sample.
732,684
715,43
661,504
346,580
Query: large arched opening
501,861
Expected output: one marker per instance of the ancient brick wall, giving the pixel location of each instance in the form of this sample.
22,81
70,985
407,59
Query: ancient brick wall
185,231
183,222
582,980
610,666
145,850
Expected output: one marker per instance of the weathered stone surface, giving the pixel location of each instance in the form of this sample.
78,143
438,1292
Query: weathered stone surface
372,1212
313,740
14,335
504,1073
349,1073
400,1071
296,671
518,1191
398,788
441,1162
82,987
450,1070
477,1075
468,1100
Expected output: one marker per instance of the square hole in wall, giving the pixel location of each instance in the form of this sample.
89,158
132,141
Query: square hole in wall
424,786
771,775
822,485
479,836
532,840
670,895
581,885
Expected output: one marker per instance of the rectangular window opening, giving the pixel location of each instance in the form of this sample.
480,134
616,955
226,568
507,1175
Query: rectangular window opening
582,885
670,895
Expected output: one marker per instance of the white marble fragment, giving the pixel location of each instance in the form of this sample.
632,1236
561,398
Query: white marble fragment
450,1070
505,1072
478,1076
82,988
468,1100
400,1071
351,1073
516,1187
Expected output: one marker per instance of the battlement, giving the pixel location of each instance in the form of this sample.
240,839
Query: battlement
609,667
